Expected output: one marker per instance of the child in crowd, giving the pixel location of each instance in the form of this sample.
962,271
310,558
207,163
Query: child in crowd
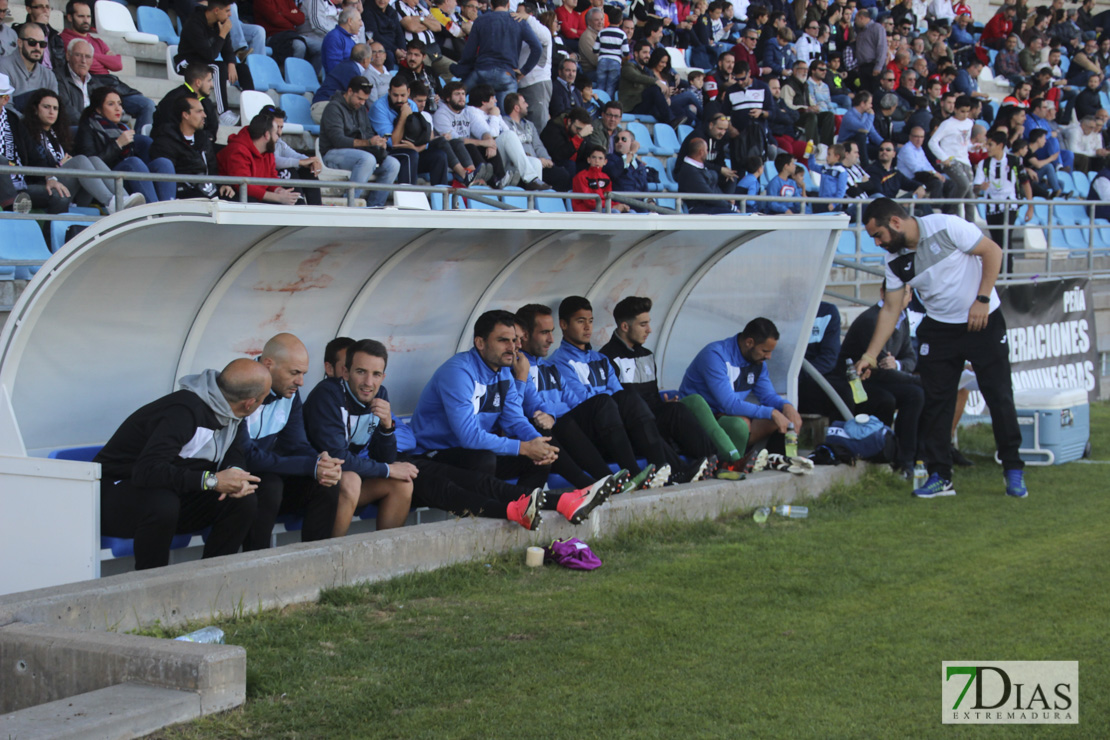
749,183
784,185
834,177
594,180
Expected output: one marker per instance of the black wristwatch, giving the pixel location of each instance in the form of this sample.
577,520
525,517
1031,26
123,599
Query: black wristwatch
983,298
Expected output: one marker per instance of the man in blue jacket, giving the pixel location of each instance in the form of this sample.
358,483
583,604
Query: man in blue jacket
474,393
293,476
588,433
726,372
587,373
492,52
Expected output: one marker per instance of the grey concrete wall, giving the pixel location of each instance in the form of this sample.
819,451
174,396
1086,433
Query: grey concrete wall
210,589
44,662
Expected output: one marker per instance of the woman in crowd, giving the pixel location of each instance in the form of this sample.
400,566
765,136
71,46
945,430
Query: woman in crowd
48,132
101,133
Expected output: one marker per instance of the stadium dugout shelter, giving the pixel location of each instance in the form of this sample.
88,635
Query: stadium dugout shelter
150,294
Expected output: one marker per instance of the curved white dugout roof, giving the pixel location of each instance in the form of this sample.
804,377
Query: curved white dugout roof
153,293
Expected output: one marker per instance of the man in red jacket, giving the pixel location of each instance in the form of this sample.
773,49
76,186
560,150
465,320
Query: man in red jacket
250,153
281,18
999,27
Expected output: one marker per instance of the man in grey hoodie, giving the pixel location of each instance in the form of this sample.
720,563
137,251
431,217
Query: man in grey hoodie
348,141
173,466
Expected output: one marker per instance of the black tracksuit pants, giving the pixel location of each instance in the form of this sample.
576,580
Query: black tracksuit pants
528,474
643,432
152,516
590,434
944,349
292,495
462,492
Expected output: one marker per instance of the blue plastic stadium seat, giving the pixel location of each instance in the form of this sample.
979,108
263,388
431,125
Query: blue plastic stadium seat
299,110
602,96
666,141
1082,183
300,72
266,75
643,136
665,180
516,201
684,130
551,205
476,205
21,240
847,244
157,22
58,231
1066,183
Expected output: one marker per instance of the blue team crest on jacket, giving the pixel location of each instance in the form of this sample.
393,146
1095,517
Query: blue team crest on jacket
490,398
545,377
592,373
359,428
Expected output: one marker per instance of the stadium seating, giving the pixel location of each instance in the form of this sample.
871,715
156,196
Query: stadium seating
684,130
643,136
171,73
155,21
251,102
116,18
299,72
266,76
666,183
666,141
551,205
299,113
21,239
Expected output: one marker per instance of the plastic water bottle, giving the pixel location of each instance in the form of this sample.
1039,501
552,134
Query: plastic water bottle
794,512
920,475
791,441
859,395
208,636
761,514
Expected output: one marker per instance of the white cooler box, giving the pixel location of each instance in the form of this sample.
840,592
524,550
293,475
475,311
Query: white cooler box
1055,424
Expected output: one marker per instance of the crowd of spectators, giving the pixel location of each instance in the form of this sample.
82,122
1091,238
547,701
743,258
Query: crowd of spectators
510,93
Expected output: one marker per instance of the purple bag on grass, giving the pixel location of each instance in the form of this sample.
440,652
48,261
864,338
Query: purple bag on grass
572,553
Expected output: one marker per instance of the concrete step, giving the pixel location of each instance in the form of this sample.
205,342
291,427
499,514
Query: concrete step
123,711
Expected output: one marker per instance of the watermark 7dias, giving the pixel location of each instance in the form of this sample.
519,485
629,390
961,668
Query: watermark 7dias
1004,692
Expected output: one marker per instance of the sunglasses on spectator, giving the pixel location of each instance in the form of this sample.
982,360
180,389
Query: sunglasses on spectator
34,42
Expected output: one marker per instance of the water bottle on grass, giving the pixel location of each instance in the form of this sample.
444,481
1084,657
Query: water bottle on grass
920,475
794,512
207,636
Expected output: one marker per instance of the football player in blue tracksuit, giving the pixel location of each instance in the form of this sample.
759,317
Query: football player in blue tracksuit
590,432
726,372
475,393
587,373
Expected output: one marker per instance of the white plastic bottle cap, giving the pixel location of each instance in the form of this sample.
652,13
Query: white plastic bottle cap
862,418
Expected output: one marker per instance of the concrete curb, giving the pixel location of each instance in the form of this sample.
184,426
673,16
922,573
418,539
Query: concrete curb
65,637
219,587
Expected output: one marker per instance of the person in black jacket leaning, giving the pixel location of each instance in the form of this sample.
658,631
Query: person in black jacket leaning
891,386
198,84
186,144
206,36
174,466
695,177
712,132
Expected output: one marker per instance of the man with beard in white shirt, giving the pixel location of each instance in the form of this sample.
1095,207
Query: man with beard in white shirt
470,125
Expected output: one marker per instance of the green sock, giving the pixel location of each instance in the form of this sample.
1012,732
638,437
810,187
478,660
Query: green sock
736,429
727,448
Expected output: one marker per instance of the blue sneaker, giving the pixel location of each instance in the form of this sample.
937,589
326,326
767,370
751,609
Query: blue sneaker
1015,484
935,486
